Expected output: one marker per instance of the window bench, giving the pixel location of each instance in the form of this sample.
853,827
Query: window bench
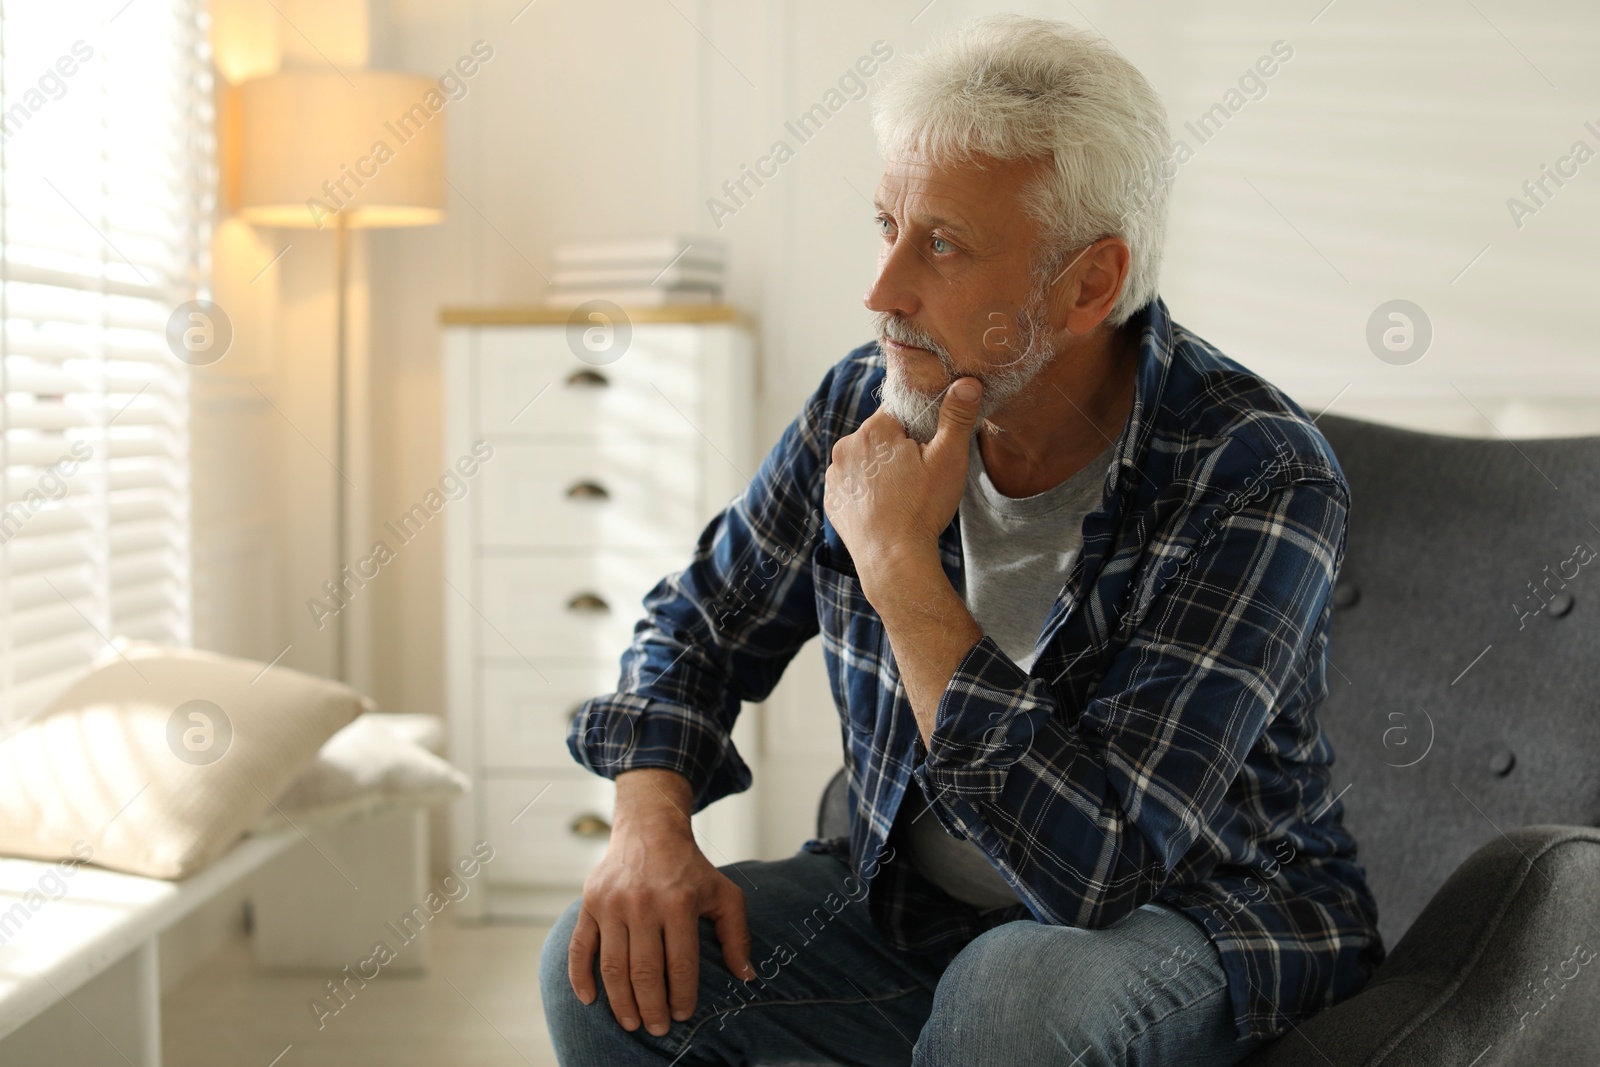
80,973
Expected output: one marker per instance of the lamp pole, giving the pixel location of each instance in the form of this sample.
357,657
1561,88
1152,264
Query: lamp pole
341,629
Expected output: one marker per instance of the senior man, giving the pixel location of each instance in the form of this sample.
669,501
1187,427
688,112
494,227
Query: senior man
1072,568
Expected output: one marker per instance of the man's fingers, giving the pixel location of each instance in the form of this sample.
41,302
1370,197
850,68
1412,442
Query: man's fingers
732,931
682,935
881,422
958,414
580,956
615,973
647,971
957,418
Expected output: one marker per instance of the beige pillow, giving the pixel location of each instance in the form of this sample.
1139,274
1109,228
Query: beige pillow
159,758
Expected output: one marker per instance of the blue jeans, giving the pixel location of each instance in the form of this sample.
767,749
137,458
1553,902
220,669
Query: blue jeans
831,990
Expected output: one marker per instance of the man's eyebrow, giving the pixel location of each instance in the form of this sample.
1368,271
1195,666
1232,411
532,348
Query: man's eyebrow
932,221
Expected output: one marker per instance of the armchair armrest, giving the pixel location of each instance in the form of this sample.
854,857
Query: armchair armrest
833,810
1499,968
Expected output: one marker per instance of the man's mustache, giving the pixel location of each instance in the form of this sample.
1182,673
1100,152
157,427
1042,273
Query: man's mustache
894,328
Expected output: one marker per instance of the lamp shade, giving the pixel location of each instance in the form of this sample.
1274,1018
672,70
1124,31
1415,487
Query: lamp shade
316,145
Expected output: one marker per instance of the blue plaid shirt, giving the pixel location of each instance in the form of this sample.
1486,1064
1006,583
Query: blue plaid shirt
1164,744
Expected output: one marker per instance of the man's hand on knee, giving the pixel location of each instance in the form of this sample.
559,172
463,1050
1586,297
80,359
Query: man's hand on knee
642,906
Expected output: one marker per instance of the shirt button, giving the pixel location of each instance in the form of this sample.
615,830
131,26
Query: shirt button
1502,762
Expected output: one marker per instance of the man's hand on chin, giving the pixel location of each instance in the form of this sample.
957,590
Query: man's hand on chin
890,498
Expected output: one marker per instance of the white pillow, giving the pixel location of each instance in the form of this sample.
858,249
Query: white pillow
159,758
366,765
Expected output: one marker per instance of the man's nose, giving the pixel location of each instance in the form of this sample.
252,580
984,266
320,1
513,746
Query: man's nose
895,290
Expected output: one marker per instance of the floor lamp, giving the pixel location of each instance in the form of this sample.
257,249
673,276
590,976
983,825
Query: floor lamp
357,149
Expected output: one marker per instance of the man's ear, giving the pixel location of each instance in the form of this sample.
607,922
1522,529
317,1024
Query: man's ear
1087,287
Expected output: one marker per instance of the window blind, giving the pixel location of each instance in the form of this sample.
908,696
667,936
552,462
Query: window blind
106,194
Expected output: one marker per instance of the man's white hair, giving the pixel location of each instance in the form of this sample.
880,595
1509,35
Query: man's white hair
1011,87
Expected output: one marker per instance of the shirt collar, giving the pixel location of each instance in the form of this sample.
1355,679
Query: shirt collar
1154,325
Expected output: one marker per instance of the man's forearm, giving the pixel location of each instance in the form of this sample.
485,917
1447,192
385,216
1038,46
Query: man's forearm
930,629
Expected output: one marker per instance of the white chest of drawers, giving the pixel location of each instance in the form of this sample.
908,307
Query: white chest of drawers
603,473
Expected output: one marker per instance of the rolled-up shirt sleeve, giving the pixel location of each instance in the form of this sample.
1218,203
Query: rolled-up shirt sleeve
1088,815
720,631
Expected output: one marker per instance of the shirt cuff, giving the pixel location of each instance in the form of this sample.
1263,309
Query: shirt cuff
985,723
626,731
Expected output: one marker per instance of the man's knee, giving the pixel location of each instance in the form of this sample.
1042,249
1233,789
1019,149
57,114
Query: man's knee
985,976
1040,990
555,987
1005,988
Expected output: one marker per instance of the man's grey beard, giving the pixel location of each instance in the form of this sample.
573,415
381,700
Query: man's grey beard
918,412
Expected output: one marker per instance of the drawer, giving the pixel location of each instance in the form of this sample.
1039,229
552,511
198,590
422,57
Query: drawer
610,493
580,607
555,839
652,390
526,716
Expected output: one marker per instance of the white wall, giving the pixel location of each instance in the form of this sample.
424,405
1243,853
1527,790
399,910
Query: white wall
1377,166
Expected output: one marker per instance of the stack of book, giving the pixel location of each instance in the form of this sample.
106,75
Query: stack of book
638,272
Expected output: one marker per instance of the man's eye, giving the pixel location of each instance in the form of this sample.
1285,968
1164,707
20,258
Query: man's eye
947,246
884,225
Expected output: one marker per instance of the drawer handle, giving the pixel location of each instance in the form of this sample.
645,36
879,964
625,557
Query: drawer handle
587,491
589,826
588,604
587,379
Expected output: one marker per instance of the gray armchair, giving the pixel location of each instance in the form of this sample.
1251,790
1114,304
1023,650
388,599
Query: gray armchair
1464,713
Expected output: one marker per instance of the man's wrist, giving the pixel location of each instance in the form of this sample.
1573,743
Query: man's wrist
653,800
896,568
